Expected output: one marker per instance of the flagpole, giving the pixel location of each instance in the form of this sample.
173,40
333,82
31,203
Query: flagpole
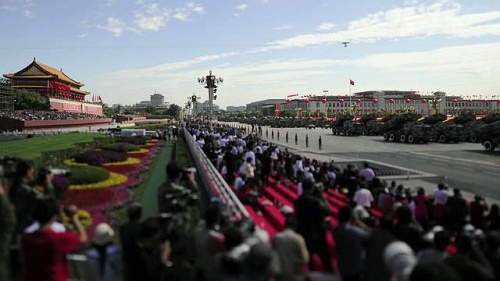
350,100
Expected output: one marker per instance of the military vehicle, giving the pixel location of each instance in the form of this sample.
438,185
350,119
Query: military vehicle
345,125
489,135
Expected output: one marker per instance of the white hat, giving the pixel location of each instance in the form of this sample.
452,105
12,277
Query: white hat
103,234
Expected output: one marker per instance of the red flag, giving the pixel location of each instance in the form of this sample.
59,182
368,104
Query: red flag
351,82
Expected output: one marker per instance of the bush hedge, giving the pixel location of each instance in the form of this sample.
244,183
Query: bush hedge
99,157
87,174
121,147
137,140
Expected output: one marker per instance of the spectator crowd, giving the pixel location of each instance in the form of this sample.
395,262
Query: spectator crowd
24,115
373,230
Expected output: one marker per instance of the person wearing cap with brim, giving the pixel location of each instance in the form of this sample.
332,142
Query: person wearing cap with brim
104,259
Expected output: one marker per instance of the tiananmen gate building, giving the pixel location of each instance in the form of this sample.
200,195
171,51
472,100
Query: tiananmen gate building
63,92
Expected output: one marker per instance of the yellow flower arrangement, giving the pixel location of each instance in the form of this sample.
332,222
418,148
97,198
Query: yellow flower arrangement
84,217
71,162
114,179
129,161
140,151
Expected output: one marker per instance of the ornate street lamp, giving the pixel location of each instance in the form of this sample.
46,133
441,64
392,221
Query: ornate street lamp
194,102
211,83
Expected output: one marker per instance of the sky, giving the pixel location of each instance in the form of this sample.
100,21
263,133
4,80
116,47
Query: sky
127,50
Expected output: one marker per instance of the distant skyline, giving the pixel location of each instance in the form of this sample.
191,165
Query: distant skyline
126,50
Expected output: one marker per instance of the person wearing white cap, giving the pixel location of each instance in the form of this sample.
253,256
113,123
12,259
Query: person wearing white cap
104,259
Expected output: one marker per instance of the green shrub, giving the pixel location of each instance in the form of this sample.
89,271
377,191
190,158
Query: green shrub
99,157
87,174
137,140
121,147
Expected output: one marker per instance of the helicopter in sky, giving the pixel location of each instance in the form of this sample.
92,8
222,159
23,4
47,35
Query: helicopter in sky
346,43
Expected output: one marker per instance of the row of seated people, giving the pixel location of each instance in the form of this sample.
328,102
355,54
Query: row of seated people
345,198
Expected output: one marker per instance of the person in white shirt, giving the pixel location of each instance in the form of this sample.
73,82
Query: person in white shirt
367,173
363,197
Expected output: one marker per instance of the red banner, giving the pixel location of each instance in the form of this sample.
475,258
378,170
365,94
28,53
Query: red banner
58,86
278,110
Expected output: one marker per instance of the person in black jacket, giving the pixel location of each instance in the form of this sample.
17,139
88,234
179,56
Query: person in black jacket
312,217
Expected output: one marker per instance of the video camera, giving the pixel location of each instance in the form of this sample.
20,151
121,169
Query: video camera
180,200
60,172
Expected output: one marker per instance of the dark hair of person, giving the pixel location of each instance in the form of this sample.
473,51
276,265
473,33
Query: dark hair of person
434,271
45,210
21,172
41,176
134,212
463,242
442,240
213,215
291,222
421,191
386,222
345,214
404,215
174,170
233,237
366,165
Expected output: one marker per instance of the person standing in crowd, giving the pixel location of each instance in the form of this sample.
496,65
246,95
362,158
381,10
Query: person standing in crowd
128,237
179,181
286,137
7,227
104,259
367,174
44,250
320,142
440,200
493,218
296,139
470,262
457,210
22,195
292,252
43,183
407,229
477,209
420,208
209,241
350,240
312,212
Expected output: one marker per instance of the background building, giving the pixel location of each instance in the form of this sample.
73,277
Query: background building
62,92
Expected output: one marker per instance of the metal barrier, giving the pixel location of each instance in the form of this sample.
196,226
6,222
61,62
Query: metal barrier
212,179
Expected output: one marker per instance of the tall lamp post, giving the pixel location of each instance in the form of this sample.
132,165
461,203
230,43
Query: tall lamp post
211,82
194,102
325,102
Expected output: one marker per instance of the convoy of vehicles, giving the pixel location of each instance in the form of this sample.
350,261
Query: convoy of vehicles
404,128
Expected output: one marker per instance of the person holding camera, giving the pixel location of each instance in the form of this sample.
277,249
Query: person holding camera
45,250
180,186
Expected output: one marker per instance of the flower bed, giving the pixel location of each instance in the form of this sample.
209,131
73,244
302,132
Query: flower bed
113,192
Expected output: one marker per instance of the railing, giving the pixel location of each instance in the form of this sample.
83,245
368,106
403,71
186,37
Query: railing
211,179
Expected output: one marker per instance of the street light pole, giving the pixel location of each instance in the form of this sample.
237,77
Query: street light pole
326,103
211,82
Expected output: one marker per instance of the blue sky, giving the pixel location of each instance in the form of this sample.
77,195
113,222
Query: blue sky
125,50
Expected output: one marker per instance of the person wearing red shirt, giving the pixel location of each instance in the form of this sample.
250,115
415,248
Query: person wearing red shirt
45,250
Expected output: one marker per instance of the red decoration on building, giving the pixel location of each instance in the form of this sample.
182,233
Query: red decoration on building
323,101
288,101
306,101
341,101
407,101
485,101
424,101
375,101
358,101
454,101
391,101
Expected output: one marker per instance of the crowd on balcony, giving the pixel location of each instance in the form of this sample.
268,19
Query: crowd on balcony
306,217
25,115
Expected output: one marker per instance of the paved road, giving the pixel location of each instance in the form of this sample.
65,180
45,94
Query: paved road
463,165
